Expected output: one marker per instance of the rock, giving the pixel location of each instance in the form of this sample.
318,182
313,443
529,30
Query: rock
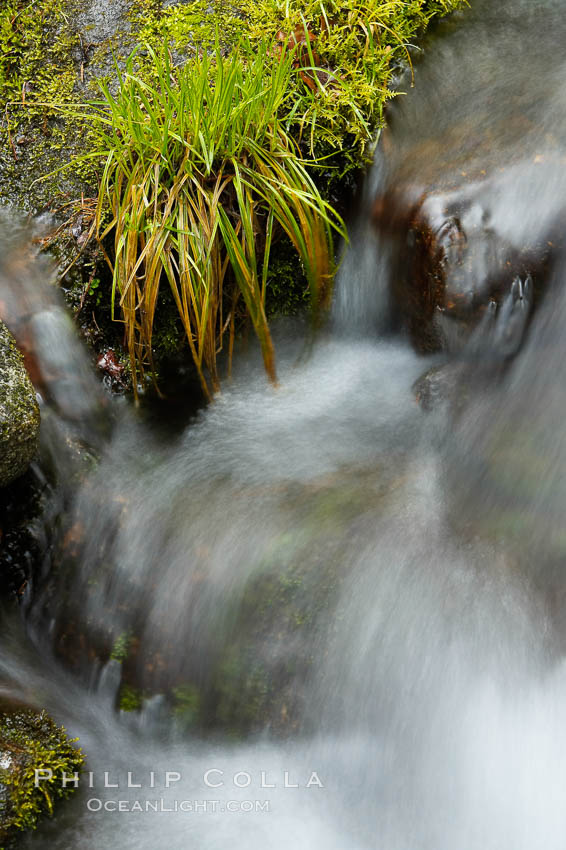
481,355
19,412
457,262
437,385
254,658
30,740
63,47
472,183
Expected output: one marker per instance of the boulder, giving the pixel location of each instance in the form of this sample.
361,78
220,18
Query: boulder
19,412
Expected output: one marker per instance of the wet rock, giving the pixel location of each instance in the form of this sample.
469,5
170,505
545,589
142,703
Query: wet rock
99,21
473,179
438,385
483,354
19,412
254,655
21,537
456,260
30,740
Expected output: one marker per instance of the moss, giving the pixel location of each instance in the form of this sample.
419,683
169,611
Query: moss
358,45
121,647
168,334
36,65
287,288
19,412
130,698
31,741
37,72
187,706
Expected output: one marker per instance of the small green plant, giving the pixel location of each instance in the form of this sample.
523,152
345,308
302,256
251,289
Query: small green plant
121,647
93,291
200,178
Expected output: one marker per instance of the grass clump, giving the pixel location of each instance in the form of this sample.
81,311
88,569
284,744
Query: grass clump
347,53
210,165
216,178
200,177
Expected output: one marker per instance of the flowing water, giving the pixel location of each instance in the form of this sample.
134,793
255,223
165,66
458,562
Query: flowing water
368,596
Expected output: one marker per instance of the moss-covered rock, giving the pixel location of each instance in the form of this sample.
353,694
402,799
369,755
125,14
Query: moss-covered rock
31,741
19,411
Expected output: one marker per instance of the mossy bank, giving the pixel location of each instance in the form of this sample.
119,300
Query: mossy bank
346,55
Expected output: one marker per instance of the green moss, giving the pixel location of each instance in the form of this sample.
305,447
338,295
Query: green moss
28,742
187,706
121,648
130,698
287,288
333,112
36,66
38,73
357,47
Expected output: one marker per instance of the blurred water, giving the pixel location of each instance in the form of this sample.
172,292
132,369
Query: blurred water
421,661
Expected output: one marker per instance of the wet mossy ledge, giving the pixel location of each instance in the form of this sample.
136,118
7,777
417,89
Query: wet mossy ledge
19,412
341,58
32,746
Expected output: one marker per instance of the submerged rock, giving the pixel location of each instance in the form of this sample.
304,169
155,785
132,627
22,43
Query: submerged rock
30,741
19,412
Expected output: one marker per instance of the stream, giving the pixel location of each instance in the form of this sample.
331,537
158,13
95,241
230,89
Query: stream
368,596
